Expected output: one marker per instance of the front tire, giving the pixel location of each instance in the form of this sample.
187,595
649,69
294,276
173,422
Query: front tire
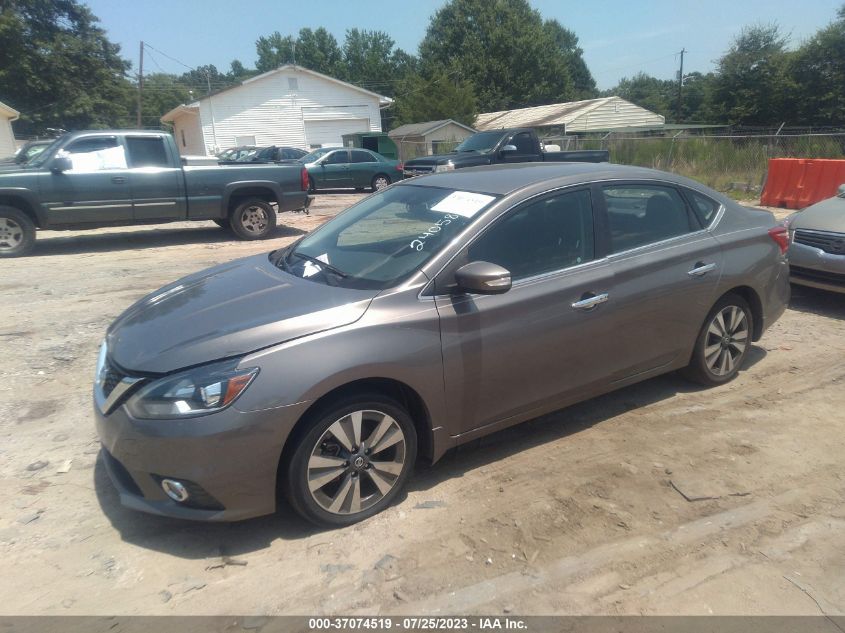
17,232
253,219
723,343
352,462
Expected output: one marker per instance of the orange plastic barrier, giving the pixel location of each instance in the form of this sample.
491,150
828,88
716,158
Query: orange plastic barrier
796,183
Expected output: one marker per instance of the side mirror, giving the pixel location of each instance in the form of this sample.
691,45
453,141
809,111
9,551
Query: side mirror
508,148
483,278
61,164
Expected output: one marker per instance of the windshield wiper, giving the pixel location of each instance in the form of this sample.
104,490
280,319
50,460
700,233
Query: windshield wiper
321,264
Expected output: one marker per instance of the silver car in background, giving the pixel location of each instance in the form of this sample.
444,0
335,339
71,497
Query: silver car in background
431,313
817,244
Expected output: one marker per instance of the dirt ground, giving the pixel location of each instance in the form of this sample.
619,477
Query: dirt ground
661,498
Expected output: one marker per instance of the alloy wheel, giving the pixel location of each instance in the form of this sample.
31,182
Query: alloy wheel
380,183
356,462
254,219
11,234
726,340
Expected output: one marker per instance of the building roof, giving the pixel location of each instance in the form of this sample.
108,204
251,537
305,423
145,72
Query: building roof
555,114
169,116
8,112
427,127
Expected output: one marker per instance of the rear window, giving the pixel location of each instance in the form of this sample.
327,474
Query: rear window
147,151
704,208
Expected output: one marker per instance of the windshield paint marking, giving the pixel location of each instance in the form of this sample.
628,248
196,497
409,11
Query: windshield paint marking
419,243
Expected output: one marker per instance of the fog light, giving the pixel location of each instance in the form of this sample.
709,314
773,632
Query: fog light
174,490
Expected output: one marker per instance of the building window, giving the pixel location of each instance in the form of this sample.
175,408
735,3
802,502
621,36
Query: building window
293,83
249,141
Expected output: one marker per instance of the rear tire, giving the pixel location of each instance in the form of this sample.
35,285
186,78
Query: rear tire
723,342
253,219
380,181
17,232
371,457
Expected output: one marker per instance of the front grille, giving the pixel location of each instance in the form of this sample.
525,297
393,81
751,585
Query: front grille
418,170
827,241
110,379
811,274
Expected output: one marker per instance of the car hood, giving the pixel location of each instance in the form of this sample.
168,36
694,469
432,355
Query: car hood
827,215
225,311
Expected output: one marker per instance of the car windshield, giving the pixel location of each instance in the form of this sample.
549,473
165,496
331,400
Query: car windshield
481,142
45,153
316,154
383,239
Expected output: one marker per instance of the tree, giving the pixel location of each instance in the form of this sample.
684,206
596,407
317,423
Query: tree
273,51
751,85
503,48
818,69
162,93
651,93
435,98
318,50
566,40
58,68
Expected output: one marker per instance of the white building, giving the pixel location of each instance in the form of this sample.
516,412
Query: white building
7,137
290,106
592,115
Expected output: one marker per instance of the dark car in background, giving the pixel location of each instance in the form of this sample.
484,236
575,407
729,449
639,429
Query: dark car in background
342,168
431,313
817,244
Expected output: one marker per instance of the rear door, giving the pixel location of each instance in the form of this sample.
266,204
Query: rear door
666,268
157,185
96,190
362,168
509,354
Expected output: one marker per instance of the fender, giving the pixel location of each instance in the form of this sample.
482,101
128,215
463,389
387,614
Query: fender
234,187
31,198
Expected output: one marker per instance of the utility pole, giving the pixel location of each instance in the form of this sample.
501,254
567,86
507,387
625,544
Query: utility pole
681,84
140,86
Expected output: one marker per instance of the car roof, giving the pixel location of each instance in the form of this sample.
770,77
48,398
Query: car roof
505,179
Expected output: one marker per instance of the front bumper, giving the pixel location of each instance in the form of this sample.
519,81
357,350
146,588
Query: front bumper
231,458
809,266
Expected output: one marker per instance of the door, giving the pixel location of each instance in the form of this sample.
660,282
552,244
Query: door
666,269
95,190
156,185
526,149
328,133
540,342
363,167
334,170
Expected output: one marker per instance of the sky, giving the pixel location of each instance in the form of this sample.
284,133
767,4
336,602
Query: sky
619,37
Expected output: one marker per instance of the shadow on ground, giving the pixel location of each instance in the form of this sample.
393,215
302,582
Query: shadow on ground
821,302
54,243
194,540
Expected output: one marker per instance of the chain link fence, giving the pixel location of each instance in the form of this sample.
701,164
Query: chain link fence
735,164
415,149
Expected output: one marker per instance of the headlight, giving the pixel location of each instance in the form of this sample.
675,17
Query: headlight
191,393
446,167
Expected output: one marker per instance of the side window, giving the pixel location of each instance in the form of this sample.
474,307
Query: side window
147,151
705,208
644,214
362,157
523,142
543,236
337,158
95,153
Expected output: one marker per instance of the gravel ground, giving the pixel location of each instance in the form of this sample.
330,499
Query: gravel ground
583,511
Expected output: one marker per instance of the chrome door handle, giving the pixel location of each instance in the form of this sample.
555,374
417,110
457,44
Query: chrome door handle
701,269
588,303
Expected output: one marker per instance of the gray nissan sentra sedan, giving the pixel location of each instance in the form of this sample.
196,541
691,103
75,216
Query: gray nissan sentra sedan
430,313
